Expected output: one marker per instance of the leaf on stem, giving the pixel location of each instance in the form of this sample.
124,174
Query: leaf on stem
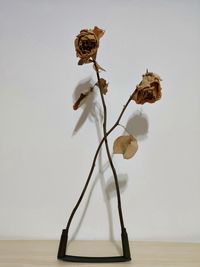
83,61
103,86
99,68
125,145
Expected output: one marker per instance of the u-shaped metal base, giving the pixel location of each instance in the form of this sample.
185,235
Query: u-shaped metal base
63,245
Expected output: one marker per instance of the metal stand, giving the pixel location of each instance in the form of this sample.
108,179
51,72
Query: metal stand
124,237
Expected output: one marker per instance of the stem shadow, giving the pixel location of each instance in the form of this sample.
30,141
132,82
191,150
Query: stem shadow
87,105
94,112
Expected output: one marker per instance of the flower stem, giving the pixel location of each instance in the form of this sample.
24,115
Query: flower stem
124,129
93,166
107,148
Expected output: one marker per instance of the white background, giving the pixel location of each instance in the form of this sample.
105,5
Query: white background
46,148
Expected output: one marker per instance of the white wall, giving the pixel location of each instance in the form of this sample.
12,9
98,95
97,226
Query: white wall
44,163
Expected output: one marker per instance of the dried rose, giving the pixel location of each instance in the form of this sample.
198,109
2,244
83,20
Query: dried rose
148,90
87,43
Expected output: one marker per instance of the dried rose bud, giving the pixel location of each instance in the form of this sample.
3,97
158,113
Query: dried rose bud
148,90
87,43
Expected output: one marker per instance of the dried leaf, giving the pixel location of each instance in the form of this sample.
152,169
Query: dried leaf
126,145
103,86
84,61
81,99
99,68
99,32
131,150
121,144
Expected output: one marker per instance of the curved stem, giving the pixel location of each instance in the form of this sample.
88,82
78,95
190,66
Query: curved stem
107,148
124,128
94,162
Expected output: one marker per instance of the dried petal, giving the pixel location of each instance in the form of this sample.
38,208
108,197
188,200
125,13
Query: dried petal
99,32
126,145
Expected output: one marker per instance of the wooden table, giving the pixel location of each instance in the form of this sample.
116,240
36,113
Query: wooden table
144,254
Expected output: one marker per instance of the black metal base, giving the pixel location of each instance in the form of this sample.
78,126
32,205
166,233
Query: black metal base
94,259
63,244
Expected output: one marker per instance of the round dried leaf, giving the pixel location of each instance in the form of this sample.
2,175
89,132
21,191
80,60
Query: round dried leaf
131,150
125,145
121,143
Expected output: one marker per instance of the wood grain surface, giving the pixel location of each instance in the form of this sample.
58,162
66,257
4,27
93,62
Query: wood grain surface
144,254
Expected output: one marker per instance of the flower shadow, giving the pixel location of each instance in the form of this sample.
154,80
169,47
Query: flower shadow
110,186
94,113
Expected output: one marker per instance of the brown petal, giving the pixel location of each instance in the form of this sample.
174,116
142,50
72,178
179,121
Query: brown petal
99,32
126,145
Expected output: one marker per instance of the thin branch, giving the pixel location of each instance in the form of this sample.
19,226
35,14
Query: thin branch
124,129
94,162
107,148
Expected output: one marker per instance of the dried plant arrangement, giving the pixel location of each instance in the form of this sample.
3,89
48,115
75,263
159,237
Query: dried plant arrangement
147,91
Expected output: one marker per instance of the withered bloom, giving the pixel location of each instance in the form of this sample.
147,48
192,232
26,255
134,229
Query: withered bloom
87,43
148,90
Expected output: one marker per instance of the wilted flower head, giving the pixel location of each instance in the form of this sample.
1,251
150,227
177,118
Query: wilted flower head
148,90
87,43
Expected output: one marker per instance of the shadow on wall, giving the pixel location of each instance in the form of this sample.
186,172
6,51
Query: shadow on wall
89,106
137,125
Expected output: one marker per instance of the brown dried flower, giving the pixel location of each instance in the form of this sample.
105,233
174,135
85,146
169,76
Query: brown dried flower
148,90
87,43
